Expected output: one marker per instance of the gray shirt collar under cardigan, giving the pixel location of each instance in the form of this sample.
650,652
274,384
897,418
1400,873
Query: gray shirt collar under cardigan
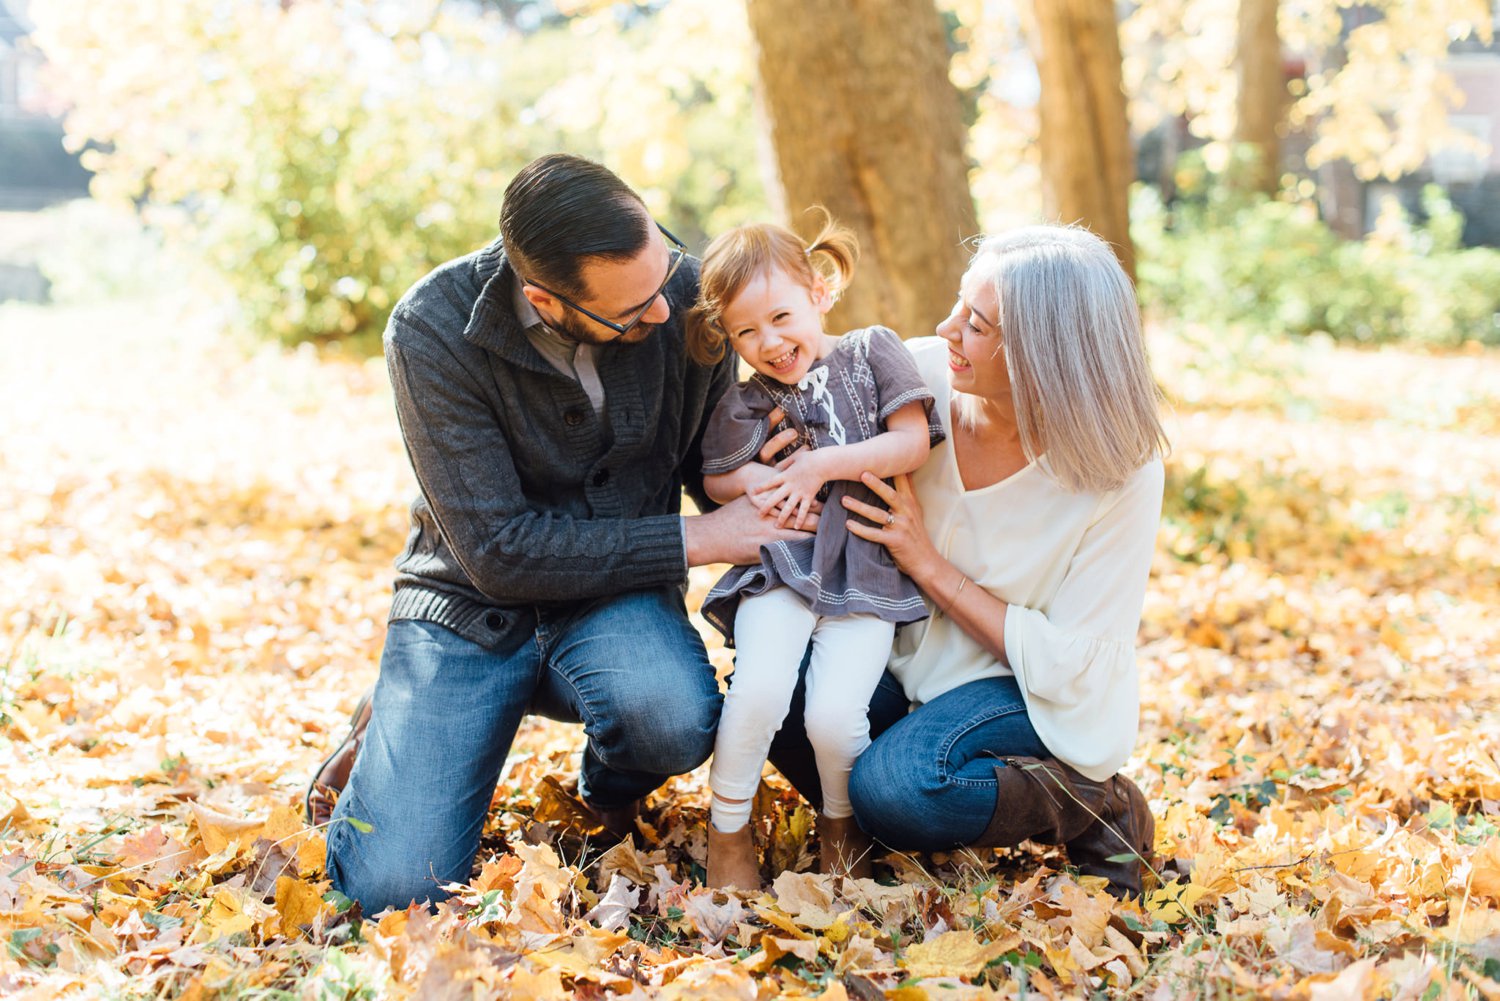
528,500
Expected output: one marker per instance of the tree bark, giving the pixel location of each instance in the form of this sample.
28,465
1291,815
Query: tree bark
1260,101
864,121
1087,163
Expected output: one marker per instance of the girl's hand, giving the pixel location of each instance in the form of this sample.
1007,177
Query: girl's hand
794,489
900,528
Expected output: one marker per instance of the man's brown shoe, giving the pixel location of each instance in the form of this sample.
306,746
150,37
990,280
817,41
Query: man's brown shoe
333,774
619,821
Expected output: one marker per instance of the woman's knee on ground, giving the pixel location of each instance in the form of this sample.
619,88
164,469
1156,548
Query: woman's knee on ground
895,802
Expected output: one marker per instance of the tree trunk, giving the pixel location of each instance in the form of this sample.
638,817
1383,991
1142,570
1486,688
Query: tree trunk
865,122
1087,165
1260,101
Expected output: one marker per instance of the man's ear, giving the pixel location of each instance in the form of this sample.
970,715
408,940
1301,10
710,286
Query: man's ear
539,299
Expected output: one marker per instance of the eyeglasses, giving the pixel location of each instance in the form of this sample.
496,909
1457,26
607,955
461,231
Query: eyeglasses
679,252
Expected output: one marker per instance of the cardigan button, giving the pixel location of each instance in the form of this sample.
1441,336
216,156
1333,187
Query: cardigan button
601,477
573,418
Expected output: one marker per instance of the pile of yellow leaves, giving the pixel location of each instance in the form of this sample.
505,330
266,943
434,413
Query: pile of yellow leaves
196,543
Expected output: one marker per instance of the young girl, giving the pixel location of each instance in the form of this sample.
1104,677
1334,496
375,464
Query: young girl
858,404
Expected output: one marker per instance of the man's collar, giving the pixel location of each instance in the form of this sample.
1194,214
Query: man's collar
526,314
493,322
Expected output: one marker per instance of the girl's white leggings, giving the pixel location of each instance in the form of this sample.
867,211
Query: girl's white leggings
849,654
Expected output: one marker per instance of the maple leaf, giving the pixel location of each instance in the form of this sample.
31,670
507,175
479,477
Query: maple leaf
806,898
217,830
160,855
625,860
1484,880
954,954
613,910
1174,903
299,903
713,921
1357,982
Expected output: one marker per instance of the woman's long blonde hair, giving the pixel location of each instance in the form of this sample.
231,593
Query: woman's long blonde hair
737,257
1071,329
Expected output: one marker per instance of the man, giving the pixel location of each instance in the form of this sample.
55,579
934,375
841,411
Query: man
552,418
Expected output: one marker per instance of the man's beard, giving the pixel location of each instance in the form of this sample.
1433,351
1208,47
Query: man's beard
578,329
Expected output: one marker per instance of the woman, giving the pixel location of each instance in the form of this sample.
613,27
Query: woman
1030,531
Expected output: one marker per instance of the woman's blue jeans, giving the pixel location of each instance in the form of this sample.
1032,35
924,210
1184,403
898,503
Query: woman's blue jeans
631,669
927,783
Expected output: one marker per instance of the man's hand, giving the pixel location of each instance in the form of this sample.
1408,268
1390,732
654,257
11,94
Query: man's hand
734,534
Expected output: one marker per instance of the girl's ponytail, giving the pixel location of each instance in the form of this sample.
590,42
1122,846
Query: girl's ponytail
833,253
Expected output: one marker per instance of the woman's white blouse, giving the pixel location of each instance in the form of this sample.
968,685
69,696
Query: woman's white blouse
1073,569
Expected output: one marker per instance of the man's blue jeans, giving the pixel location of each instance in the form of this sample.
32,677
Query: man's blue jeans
630,668
927,783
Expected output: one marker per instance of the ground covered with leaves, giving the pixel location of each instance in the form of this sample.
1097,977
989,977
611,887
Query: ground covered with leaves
196,542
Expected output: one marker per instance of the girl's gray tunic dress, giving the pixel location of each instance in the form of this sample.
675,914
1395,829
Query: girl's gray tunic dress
844,398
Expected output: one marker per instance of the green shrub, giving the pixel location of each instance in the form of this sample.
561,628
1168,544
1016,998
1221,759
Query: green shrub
1223,258
320,158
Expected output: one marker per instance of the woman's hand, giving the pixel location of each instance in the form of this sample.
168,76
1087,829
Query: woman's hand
900,529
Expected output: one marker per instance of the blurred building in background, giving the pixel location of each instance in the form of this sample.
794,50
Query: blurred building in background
1473,178
1469,176
35,170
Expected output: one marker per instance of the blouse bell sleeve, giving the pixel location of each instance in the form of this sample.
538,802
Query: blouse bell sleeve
1075,662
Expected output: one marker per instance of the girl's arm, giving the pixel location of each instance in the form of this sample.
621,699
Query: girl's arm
734,439
901,448
725,487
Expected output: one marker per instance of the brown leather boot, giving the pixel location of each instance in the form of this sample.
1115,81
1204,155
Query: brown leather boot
843,848
333,774
1046,801
1125,828
619,821
732,860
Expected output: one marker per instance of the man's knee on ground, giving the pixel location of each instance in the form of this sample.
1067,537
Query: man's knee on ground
669,735
378,887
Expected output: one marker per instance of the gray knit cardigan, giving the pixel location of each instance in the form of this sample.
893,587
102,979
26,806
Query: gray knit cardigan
527,499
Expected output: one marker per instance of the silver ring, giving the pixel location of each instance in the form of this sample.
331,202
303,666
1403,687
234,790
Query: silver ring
890,518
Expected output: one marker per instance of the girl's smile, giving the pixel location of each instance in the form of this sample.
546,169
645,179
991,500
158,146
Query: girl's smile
775,323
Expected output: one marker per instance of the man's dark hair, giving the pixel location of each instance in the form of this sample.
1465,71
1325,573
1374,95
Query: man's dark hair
562,209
